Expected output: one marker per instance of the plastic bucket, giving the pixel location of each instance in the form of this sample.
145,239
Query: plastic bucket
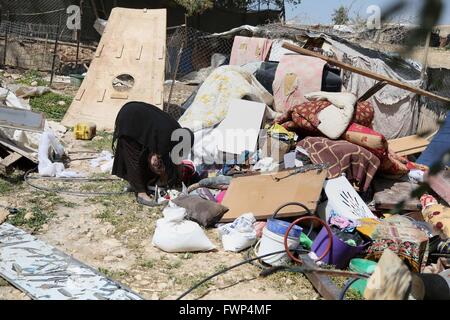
340,253
272,240
361,266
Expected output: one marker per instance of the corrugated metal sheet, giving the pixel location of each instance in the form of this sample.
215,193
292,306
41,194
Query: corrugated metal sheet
46,273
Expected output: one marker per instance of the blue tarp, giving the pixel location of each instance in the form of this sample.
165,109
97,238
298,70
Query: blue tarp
438,146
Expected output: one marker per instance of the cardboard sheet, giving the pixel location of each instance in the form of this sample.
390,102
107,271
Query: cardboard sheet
241,127
133,44
261,194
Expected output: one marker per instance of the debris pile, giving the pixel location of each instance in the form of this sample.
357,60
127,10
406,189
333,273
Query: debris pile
305,154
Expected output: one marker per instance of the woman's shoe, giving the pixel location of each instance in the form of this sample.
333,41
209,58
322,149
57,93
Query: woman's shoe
145,202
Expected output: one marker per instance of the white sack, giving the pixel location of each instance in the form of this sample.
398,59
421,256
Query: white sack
174,234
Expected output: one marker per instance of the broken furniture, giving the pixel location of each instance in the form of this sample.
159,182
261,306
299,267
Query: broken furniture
11,153
128,66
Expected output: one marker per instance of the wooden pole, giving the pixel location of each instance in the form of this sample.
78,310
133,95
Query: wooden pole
366,73
425,57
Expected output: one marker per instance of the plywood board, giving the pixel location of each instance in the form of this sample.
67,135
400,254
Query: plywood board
261,194
408,145
133,43
241,127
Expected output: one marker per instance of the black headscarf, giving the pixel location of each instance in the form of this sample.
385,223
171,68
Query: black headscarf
152,128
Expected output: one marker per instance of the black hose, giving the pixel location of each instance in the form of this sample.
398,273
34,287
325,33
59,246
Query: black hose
228,269
346,287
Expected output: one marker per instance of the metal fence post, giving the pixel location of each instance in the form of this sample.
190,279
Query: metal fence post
6,40
56,49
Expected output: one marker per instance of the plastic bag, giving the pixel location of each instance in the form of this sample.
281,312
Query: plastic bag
174,234
240,234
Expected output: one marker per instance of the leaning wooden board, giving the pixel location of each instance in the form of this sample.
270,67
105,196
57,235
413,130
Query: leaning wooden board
408,145
261,194
133,43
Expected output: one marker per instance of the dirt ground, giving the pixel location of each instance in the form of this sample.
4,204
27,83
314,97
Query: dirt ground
113,234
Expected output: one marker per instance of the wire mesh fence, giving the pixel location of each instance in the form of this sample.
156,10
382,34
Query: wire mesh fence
29,46
190,50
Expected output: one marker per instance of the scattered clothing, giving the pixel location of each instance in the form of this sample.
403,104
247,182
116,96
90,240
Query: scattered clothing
341,222
436,214
358,164
240,234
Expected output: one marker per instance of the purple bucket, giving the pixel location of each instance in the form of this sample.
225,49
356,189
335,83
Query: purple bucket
340,253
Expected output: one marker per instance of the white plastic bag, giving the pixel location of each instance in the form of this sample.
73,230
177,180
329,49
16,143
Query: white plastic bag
240,234
174,234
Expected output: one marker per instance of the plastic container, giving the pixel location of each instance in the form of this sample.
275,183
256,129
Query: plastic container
76,79
340,253
361,266
273,240
85,131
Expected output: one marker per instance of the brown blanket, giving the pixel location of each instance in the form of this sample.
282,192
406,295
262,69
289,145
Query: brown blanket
359,164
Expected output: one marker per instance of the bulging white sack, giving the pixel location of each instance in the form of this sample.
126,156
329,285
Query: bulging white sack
175,234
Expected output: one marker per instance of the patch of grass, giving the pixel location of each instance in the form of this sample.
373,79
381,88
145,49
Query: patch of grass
115,275
48,104
102,141
351,294
11,182
149,264
174,265
4,283
35,222
31,76
5,186
191,280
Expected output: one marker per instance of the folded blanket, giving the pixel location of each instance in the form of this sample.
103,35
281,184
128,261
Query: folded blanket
304,118
210,106
358,164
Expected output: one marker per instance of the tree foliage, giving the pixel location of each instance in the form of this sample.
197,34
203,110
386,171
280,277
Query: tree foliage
194,7
340,15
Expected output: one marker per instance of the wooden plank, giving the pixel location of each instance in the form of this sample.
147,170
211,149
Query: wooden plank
133,44
5,164
10,159
25,152
323,283
262,194
366,73
408,145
